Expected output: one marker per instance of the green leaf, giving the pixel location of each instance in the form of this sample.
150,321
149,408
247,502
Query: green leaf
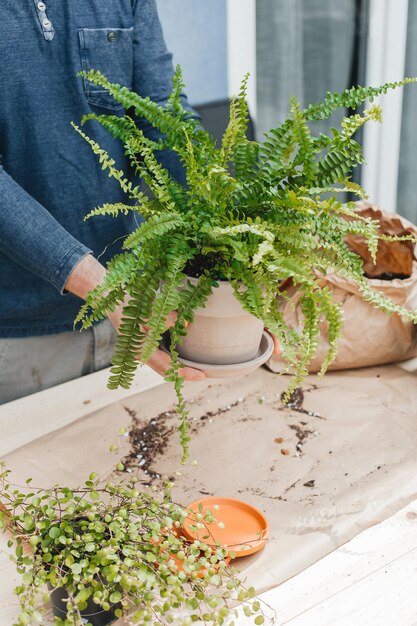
76,568
54,532
115,597
83,595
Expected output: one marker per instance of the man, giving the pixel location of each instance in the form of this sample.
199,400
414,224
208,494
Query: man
49,178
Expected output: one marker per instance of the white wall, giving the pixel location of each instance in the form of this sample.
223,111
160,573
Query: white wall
196,33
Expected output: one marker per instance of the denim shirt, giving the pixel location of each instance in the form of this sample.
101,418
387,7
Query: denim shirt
49,177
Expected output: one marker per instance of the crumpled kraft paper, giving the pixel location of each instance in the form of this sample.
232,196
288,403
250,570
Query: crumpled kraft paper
352,455
369,336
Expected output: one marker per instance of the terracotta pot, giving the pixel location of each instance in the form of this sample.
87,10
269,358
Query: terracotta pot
222,333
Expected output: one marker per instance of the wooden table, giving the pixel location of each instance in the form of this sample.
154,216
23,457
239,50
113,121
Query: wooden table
371,580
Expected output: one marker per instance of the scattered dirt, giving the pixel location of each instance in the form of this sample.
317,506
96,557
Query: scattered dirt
295,400
295,403
309,483
250,419
302,433
292,486
196,424
147,441
378,467
256,491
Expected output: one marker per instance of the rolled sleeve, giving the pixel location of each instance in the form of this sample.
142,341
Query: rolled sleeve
67,264
32,237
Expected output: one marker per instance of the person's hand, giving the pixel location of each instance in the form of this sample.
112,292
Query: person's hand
89,273
160,361
277,346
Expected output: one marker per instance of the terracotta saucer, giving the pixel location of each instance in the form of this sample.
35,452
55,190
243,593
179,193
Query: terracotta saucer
265,351
180,564
245,529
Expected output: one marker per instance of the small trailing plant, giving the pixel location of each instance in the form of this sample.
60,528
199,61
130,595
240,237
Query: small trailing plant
113,544
255,214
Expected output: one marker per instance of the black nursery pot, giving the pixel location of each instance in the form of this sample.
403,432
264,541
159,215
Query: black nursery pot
92,614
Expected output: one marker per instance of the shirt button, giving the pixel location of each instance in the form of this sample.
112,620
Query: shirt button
46,24
41,6
112,36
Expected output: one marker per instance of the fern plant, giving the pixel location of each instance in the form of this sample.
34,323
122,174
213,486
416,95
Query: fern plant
255,214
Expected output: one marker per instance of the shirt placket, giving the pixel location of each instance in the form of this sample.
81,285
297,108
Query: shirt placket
45,22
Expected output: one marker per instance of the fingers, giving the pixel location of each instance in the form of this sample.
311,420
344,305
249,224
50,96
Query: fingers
189,373
171,319
161,361
277,345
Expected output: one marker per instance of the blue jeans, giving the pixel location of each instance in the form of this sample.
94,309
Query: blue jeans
30,364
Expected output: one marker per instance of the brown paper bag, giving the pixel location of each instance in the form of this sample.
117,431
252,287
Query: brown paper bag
369,336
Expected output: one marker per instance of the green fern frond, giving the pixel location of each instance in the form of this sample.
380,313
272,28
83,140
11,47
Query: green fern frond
154,174
112,209
120,127
132,336
349,99
162,118
334,317
194,297
230,136
245,159
256,229
166,300
310,334
306,156
174,103
276,151
111,291
412,238
154,228
108,163
173,376
242,110
384,303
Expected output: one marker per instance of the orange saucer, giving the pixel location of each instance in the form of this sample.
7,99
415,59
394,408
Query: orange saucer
179,562
245,527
